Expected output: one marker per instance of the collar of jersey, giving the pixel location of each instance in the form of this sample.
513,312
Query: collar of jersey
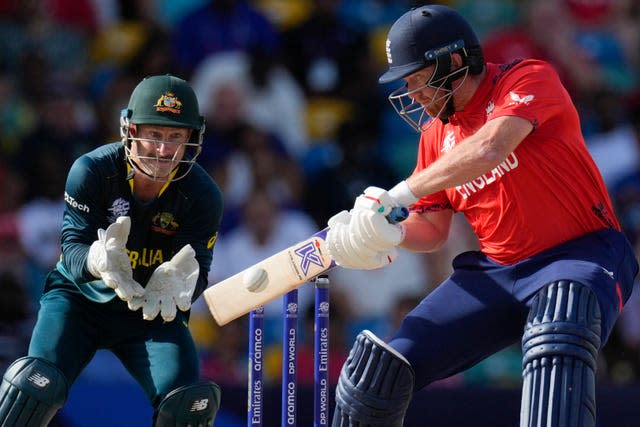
164,187
474,106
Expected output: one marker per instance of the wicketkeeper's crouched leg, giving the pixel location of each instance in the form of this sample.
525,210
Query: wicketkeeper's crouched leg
375,385
32,391
193,405
560,348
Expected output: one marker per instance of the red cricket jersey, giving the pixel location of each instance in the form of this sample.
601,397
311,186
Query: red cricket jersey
547,191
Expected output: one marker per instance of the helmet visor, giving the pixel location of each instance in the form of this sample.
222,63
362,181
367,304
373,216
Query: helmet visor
145,156
160,160
415,113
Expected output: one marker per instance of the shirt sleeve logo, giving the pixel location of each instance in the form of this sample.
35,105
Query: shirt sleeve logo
212,241
74,203
517,99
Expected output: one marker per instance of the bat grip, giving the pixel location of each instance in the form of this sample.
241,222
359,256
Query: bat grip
398,214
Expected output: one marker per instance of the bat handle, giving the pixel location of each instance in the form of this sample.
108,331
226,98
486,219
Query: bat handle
398,214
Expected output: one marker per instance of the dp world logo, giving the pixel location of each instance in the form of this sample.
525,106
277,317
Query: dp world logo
308,255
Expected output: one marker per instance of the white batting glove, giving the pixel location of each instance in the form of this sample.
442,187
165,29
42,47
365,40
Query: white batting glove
376,200
348,248
382,201
108,260
170,287
374,230
370,220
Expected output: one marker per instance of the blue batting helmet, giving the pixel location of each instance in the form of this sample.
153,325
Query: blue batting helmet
422,35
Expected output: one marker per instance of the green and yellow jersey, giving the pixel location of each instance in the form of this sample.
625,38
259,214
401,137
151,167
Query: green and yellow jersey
99,190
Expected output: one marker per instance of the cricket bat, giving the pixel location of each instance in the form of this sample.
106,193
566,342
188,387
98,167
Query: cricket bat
275,276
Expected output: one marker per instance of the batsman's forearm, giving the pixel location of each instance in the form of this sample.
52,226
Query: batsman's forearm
421,235
472,157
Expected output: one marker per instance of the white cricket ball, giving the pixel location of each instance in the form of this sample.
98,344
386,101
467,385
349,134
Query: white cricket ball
255,279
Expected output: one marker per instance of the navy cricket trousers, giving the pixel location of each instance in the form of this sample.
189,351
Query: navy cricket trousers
483,306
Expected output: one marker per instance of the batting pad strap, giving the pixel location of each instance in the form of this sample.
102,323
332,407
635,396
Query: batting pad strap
561,339
375,385
193,405
564,321
31,393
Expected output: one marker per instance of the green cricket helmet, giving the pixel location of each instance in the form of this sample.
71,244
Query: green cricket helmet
163,100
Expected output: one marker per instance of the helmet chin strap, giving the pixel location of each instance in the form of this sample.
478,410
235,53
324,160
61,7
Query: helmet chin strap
450,75
131,171
133,168
449,109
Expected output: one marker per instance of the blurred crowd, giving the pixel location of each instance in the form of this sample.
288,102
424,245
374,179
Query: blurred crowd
297,127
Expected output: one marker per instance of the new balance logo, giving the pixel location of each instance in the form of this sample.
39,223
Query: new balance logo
607,272
38,379
199,405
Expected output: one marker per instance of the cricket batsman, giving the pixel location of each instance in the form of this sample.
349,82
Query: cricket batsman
501,144
140,222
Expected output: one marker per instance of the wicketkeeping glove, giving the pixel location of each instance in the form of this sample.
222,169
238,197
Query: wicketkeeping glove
108,260
171,286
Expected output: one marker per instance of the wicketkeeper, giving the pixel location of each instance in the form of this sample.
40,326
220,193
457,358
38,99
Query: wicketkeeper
502,145
140,222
